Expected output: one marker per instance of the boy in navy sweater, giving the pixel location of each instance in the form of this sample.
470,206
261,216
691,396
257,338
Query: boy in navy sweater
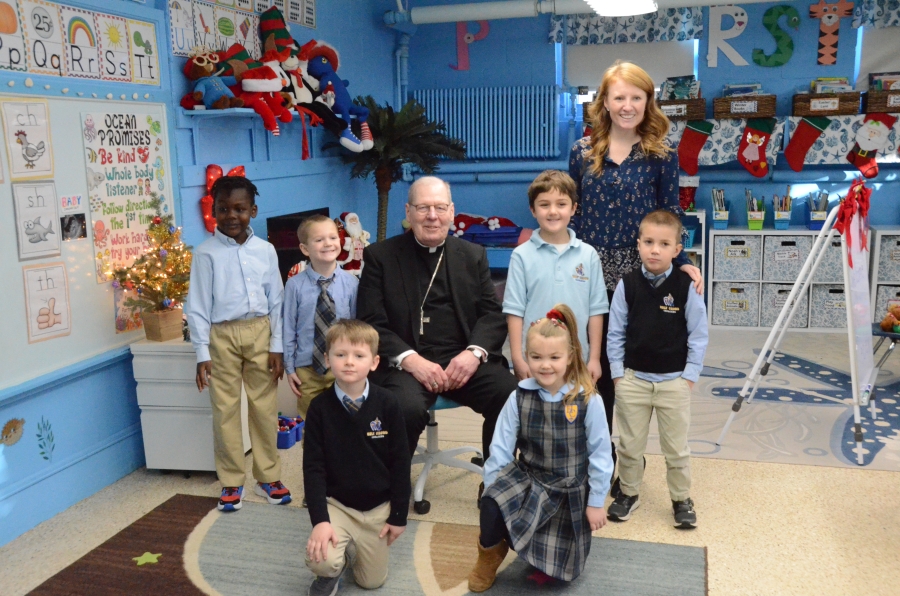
355,465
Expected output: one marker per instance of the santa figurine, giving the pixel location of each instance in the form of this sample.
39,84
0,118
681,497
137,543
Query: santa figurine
353,240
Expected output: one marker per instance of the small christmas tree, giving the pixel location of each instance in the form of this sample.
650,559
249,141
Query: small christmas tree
162,274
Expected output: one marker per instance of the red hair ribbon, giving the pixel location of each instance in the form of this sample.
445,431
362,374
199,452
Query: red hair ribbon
213,173
555,315
857,199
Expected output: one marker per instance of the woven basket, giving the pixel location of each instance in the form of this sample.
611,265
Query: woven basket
744,106
826,104
881,101
684,109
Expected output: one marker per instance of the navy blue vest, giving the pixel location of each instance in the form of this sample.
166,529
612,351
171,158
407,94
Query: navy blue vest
656,335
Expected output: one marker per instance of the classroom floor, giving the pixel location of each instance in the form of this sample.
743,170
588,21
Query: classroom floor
769,528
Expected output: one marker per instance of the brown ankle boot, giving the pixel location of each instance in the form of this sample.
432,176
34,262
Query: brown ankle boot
485,571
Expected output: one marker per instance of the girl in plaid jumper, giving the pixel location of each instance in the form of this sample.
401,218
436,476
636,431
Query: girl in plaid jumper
545,503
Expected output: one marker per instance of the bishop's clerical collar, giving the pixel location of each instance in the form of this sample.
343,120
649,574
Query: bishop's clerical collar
431,249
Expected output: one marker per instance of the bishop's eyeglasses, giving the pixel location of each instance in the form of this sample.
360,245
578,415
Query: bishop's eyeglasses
440,208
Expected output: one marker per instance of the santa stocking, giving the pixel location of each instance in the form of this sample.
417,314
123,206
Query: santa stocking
752,151
693,139
870,137
808,131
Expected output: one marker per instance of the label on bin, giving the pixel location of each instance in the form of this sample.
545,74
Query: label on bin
787,254
824,105
818,215
782,215
835,303
893,101
895,255
679,109
744,107
737,252
735,305
756,215
720,215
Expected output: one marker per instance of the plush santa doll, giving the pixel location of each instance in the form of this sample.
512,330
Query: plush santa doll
870,139
353,240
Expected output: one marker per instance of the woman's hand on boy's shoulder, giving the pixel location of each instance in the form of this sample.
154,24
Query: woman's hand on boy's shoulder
695,276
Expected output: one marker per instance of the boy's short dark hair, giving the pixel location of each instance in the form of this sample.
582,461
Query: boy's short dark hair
306,224
663,217
552,180
353,330
225,185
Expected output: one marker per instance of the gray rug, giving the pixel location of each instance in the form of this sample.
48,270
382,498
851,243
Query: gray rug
260,550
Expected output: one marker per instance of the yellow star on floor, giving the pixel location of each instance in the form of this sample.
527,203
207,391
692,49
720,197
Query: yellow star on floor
147,558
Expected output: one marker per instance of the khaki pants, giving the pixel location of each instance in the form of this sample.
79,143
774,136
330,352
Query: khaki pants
370,565
312,384
239,351
635,401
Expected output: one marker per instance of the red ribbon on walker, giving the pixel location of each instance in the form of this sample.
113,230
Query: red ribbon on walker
213,173
856,201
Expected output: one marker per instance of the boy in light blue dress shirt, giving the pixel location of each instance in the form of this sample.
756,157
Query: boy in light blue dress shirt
234,313
552,267
307,374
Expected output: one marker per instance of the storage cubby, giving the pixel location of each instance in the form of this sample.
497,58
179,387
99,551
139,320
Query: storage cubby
884,274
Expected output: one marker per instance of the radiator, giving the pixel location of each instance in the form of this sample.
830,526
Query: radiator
497,122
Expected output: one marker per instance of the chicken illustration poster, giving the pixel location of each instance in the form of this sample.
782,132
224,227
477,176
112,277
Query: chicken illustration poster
47,301
27,129
37,219
126,160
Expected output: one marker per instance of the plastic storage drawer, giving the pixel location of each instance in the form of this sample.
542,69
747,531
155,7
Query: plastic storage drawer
783,256
738,257
882,296
831,268
774,297
828,306
735,303
889,257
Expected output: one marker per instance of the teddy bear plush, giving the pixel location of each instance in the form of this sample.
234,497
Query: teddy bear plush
210,90
891,321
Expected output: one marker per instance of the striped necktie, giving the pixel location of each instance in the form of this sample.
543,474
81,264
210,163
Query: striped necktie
324,318
655,280
353,405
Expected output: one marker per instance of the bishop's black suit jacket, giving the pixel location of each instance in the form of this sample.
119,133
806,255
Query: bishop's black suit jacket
390,295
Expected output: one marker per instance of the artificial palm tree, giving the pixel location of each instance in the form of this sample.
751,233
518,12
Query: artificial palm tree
407,136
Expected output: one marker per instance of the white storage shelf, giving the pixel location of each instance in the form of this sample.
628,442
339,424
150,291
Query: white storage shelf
697,251
752,272
176,419
884,282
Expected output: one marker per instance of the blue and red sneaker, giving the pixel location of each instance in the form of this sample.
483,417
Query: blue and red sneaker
231,498
274,492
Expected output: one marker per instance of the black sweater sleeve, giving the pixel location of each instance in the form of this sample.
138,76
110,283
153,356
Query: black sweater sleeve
314,474
400,462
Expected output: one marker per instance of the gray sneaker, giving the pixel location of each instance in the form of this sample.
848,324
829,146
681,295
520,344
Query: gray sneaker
620,509
685,516
324,586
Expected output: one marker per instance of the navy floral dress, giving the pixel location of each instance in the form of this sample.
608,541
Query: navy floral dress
613,204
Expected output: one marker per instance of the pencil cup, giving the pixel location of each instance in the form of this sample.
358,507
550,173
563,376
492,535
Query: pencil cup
815,219
782,220
720,220
755,219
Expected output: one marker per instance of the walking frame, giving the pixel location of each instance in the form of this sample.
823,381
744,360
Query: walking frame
783,323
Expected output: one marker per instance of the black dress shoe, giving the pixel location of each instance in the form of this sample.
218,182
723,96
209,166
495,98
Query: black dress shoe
480,492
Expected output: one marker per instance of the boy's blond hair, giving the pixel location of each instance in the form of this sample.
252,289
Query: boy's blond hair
354,331
662,217
552,180
308,223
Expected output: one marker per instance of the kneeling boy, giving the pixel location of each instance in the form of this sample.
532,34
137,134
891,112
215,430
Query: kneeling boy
355,465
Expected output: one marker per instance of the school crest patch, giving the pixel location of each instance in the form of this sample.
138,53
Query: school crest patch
375,425
571,412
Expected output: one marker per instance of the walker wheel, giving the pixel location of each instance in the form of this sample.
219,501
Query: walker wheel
422,507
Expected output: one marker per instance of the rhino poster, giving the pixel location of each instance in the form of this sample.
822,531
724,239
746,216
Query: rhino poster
126,161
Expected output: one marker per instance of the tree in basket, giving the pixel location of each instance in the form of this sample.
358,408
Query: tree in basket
159,277
407,136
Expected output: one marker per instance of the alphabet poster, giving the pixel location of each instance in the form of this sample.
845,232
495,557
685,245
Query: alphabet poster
27,128
37,219
81,41
115,56
126,161
12,40
47,301
43,37
144,53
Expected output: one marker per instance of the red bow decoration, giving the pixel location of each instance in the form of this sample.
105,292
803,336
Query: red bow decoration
213,173
857,200
555,315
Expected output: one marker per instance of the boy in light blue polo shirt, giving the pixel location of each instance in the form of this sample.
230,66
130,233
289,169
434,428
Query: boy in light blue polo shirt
553,267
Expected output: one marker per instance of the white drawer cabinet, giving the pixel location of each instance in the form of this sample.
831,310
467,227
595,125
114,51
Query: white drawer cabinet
176,419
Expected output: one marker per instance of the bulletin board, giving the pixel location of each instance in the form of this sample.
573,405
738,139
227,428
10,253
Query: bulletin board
87,310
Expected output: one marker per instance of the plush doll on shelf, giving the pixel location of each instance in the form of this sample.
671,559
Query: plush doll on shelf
322,66
259,85
891,321
462,222
353,240
210,90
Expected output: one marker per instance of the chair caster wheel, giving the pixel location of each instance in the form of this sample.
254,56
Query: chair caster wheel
422,507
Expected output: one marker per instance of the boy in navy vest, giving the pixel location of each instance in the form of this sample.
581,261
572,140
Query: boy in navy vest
657,339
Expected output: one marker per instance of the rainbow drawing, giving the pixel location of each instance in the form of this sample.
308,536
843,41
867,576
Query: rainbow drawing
79,24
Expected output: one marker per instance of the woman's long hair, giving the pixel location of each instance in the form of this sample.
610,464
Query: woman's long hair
652,130
561,322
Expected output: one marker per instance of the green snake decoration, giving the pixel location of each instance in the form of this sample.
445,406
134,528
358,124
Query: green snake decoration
785,45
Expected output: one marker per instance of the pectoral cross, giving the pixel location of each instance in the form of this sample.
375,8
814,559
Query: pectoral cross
422,320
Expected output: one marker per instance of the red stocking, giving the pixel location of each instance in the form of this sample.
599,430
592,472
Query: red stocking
692,141
808,131
871,137
687,190
752,151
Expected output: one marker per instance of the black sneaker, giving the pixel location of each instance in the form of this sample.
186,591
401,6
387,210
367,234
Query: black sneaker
620,509
324,586
616,488
685,516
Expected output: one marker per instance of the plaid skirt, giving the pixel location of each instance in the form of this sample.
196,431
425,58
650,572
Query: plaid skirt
546,519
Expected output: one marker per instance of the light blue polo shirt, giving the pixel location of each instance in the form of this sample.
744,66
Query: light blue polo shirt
540,277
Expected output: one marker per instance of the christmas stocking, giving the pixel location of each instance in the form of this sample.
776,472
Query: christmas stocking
870,137
693,139
687,190
752,150
808,131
